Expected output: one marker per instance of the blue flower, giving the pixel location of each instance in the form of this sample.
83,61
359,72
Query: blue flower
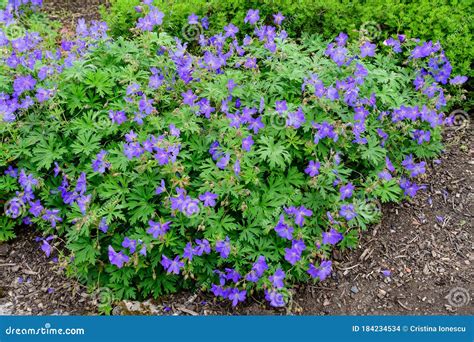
252,16
117,259
209,199
277,278
322,272
346,191
158,229
284,230
332,237
223,247
347,211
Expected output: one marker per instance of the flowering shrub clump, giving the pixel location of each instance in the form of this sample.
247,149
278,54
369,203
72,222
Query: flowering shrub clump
236,164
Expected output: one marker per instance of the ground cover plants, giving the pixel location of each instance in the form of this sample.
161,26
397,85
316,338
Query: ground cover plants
235,163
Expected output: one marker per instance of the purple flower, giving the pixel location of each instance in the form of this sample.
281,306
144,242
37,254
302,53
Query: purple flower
205,107
189,97
202,247
292,255
14,208
458,80
346,191
347,211
295,119
188,251
367,49
341,39
130,244
190,207
222,163
205,22
117,117
232,275
386,273
157,229
421,136
423,50
313,168
278,18
322,272
275,298
117,259
36,208
247,143
414,168
250,63
52,217
193,19
237,167
231,85
98,164
332,237
12,172
299,214
172,266
385,175
324,130
284,230
256,124
231,30
277,278
280,106
174,131
27,181
258,268
236,296
81,185
389,164
103,225
298,245
252,16
46,247
223,247
410,189
23,84
209,199
161,188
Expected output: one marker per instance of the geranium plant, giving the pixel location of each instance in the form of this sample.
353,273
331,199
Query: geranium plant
234,164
